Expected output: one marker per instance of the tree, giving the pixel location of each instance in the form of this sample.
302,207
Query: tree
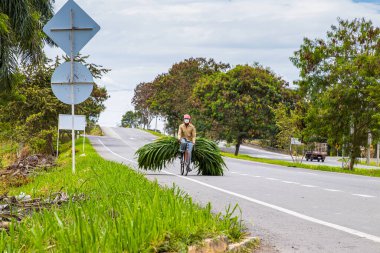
238,103
171,92
289,124
21,37
130,119
340,77
30,118
143,92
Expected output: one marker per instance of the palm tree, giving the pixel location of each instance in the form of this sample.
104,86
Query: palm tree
21,37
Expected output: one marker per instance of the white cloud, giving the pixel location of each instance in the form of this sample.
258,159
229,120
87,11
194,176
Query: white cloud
142,38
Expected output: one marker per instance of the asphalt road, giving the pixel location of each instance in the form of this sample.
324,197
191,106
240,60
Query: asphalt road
292,210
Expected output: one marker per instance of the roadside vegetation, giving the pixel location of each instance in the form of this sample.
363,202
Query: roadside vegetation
120,211
357,171
153,132
28,108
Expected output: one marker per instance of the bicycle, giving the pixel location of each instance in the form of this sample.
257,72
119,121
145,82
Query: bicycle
186,164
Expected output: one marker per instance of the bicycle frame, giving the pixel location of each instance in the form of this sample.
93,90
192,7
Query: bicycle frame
185,166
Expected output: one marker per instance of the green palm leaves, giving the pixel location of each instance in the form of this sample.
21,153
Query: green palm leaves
206,156
156,155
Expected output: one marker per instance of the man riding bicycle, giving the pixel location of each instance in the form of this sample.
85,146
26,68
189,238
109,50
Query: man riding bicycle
186,136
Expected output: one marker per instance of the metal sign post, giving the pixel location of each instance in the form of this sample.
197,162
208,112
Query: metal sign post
72,89
65,123
71,28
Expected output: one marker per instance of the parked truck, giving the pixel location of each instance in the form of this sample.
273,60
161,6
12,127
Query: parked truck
316,151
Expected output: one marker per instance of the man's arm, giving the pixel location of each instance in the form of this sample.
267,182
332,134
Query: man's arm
179,133
194,135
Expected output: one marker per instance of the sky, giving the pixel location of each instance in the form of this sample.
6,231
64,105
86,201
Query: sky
140,39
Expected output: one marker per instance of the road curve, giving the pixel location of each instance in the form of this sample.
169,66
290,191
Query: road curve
292,210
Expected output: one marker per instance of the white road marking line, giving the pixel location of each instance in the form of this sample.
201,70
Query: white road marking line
243,174
314,174
331,190
234,172
122,157
131,138
364,195
257,176
308,185
287,211
289,182
271,178
278,208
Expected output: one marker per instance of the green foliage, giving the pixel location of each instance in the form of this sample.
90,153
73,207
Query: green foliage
238,102
206,155
207,158
289,123
21,36
131,119
29,114
154,132
122,212
339,77
169,94
142,93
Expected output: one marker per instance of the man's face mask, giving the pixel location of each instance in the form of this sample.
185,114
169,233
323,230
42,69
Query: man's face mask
186,121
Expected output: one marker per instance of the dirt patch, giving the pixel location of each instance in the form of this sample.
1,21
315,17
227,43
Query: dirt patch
15,208
17,174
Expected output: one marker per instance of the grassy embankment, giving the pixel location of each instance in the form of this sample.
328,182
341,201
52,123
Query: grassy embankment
363,162
357,171
153,132
122,212
7,154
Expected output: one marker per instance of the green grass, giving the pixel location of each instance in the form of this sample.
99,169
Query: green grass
153,132
123,212
357,171
363,162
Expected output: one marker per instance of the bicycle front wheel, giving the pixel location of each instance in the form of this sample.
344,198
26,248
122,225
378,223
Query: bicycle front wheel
187,168
182,167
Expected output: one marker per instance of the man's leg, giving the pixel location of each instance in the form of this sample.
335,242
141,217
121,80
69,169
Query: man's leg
182,146
190,149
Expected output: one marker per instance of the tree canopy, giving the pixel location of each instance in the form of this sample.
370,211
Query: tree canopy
21,39
131,119
30,118
340,78
239,102
169,94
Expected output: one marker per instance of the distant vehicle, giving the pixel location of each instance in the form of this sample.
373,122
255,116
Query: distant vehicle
316,151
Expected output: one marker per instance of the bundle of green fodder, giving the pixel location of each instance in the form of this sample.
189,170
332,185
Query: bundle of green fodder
206,156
